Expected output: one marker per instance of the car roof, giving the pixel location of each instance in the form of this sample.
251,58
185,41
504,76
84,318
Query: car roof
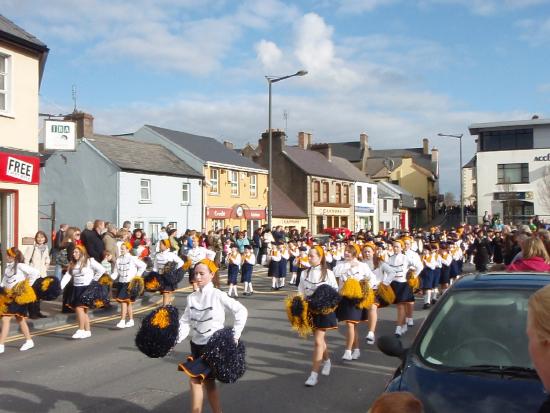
503,280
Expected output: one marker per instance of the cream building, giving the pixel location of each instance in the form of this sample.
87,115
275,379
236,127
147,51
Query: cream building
22,60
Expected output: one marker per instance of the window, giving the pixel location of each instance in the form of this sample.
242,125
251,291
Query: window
252,225
234,182
316,191
359,194
325,192
185,194
339,193
154,231
214,181
385,205
346,194
218,224
513,173
4,83
138,225
145,190
369,195
253,185
173,225
506,140
395,204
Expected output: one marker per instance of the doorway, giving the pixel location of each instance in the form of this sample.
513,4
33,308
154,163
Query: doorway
8,227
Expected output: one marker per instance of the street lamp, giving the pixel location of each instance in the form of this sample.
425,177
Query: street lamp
270,80
459,137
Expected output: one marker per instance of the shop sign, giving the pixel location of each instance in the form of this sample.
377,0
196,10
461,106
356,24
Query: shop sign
366,210
19,168
218,213
331,211
542,158
507,196
59,135
254,213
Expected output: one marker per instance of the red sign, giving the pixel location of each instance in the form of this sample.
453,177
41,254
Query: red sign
218,213
254,213
19,169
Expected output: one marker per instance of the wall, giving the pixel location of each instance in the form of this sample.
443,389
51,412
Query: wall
385,217
413,181
487,177
83,185
541,137
19,127
359,206
166,201
468,183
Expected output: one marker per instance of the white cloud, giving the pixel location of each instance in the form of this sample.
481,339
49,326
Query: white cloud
535,31
361,6
268,54
488,7
543,88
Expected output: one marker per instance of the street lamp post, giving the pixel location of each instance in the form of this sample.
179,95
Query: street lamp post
270,81
459,137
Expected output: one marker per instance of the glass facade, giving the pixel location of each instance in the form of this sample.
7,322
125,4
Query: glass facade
506,140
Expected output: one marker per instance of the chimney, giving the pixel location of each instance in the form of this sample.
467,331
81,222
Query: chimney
364,141
305,140
425,146
228,145
84,124
278,142
324,149
435,161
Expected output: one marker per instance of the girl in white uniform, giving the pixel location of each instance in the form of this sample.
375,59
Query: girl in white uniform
15,272
161,259
311,279
204,315
127,267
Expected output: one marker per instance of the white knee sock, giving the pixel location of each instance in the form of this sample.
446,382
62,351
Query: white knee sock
273,282
428,297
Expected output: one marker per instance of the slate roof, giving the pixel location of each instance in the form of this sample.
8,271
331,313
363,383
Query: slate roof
349,169
385,192
15,33
131,155
349,150
314,163
376,165
407,199
471,163
417,154
205,148
284,207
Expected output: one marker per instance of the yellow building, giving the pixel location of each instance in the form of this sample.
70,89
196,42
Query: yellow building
22,60
234,189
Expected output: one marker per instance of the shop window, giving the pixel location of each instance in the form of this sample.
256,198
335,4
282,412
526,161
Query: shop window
513,173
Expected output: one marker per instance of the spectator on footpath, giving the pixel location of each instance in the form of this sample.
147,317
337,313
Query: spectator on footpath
127,225
241,241
534,257
57,239
93,242
38,257
538,333
87,231
397,402
257,243
110,241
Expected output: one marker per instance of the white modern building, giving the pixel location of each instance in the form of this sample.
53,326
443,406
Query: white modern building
119,180
513,169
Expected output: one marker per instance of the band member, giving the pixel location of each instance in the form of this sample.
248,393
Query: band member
163,257
248,262
195,255
233,261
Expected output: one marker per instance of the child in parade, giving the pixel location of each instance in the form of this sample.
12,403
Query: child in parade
294,252
127,267
415,268
274,266
38,257
427,276
233,262
283,265
248,261
204,314
303,263
198,253
312,279
349,273
446,260
15,272
161,259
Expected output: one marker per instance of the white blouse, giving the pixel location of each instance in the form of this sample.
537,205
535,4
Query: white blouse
163,258
352,269
23,272
127,267
205,314
311,279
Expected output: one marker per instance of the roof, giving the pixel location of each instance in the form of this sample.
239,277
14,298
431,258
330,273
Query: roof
349,169
376,167
349,150
475,128
131,155
284,207
407,199
417,154
314,163
205,148
11,32
503,280
385,192
471,163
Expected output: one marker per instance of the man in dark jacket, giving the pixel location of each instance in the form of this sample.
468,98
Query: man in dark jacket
93,242
481,250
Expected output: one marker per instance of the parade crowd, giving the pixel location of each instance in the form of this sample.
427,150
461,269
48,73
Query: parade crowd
344,279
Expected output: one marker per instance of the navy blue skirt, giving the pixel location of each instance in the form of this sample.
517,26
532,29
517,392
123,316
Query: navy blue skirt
437,276
232,273
403,292
427,277
445,275
293,263
348,311
454,269
324,321
283,264
274,268
75,298
122,294
247,272
18,310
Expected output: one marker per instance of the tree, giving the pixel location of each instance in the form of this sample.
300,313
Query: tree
449,199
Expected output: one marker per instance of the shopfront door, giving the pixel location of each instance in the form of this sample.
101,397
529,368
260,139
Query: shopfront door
7,222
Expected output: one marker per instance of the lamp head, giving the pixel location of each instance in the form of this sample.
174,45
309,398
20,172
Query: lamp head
301,73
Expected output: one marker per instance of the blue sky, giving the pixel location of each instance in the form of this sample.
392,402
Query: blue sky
399,70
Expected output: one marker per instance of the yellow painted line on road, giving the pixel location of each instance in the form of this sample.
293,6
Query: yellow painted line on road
93,321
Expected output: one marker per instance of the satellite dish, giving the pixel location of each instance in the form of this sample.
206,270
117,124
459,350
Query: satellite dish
389,164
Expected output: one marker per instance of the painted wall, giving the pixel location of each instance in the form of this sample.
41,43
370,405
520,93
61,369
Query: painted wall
19,126
166,201
541,137
469,185
83,185
360,216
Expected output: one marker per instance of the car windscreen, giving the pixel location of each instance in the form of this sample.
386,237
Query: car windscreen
478,327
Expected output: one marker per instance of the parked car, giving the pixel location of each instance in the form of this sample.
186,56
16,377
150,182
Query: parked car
470,354
338,233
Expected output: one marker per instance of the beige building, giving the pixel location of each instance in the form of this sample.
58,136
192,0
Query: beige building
22,60
469,183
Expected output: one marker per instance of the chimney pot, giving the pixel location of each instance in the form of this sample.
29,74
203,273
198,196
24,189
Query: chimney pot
425,146
84,123
364,140
229,145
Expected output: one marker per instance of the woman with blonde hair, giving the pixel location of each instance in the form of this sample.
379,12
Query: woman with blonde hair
538,333
534,257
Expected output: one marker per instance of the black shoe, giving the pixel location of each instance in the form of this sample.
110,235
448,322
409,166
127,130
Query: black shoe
274,288
34,317
426,306
40,315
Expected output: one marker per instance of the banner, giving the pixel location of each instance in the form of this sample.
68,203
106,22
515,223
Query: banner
19,169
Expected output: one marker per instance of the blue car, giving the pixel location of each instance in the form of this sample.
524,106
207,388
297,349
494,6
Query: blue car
470,354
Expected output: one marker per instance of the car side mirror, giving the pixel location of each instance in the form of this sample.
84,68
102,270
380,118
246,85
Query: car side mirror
391,346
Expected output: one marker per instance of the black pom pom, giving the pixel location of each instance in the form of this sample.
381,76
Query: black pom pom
297,306
47,288
172,274
323,300
95,296
225,357
153,282
158,332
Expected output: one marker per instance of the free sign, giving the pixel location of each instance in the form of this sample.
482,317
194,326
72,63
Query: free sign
16,168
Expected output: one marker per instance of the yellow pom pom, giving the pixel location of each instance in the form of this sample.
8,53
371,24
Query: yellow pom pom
24,293
298,315
137,282
368,295
153,284
386,293
352,289
106,279
161,319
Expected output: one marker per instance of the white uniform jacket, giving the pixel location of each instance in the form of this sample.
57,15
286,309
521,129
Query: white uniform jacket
127,267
